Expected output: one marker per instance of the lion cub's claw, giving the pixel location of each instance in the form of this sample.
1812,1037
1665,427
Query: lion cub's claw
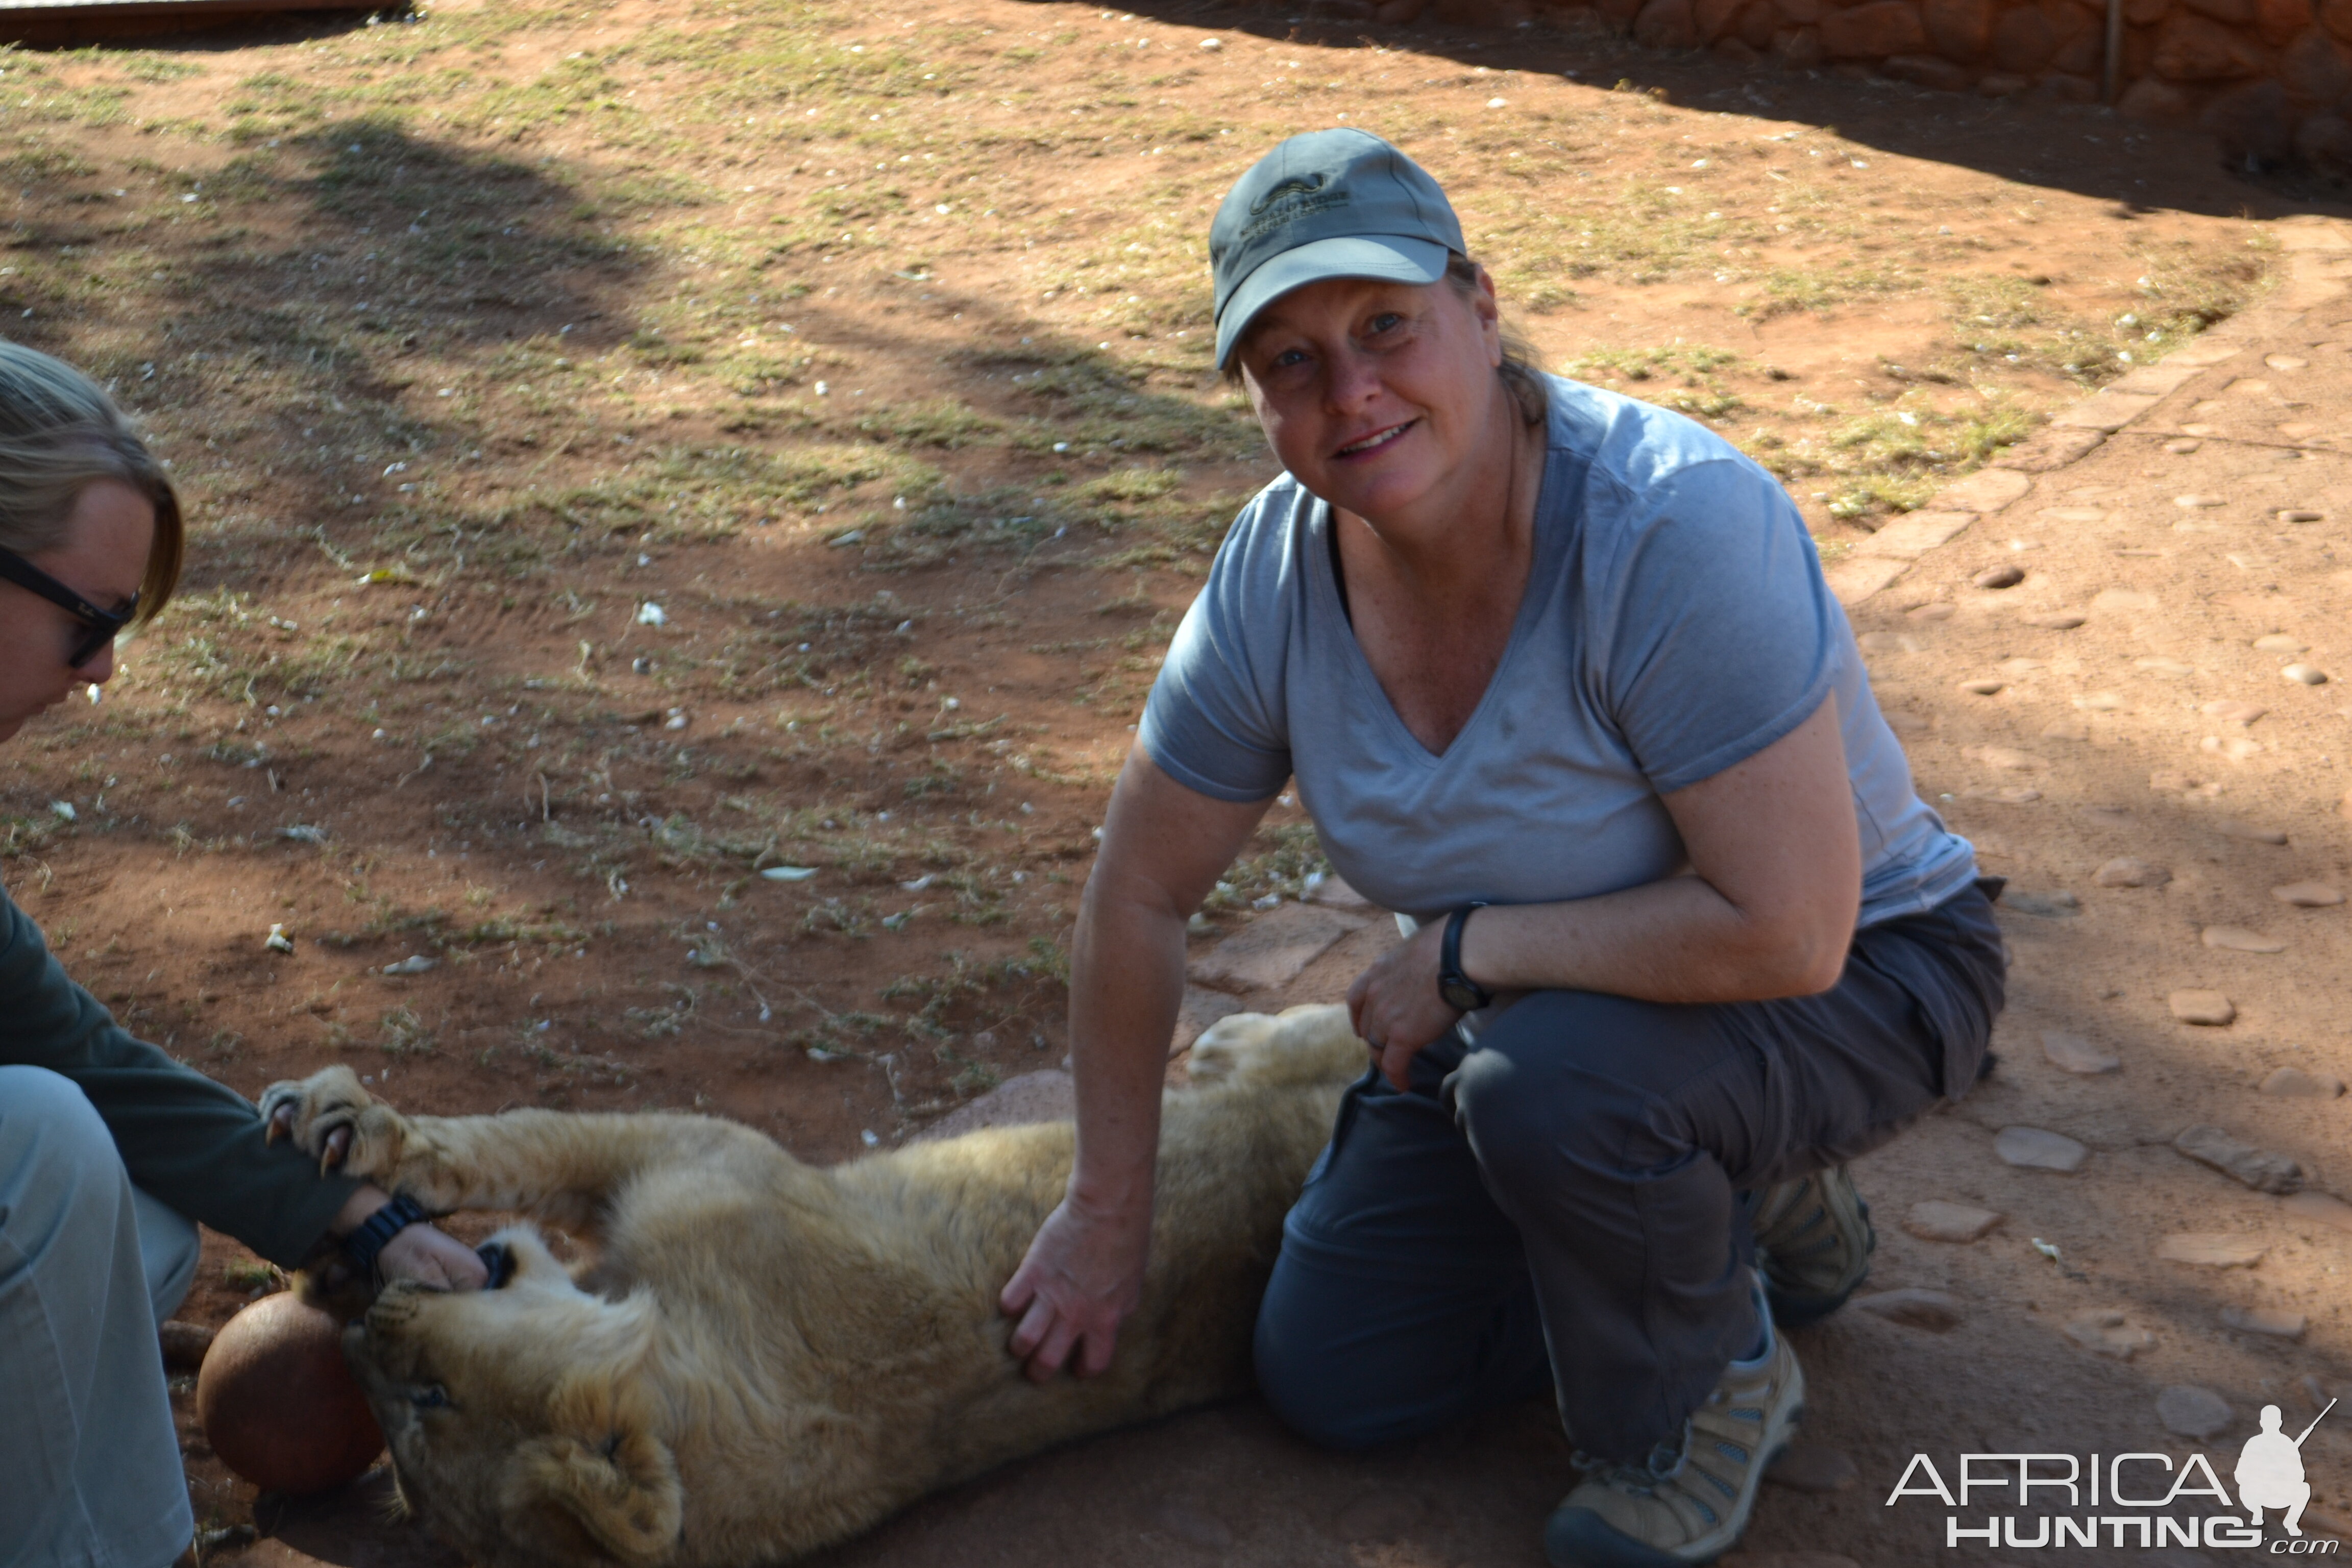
309,1111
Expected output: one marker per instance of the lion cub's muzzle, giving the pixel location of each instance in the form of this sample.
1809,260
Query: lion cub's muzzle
499,1259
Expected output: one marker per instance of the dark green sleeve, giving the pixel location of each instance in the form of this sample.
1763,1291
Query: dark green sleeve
195,1144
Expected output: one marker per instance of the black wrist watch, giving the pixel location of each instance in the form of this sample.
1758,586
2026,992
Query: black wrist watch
362,1244
1461,993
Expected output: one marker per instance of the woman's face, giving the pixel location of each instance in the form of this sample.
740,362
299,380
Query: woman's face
102,556
1376,396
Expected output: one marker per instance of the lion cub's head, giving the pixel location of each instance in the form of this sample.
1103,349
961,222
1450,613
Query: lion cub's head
516,1418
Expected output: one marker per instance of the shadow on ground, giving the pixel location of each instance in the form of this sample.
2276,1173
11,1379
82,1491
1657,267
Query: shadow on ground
2076,148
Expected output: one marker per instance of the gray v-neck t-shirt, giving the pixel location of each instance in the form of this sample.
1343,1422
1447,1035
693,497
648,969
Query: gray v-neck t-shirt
1675,623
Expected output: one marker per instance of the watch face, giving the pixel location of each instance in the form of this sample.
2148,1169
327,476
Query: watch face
1462,996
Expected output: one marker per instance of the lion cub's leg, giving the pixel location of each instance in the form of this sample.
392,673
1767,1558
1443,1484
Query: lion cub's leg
556,1166
1308,1045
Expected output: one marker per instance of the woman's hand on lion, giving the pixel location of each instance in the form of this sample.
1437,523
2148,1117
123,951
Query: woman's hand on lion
1083,1275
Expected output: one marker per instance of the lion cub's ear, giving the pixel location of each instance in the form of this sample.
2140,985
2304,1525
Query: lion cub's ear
624,1491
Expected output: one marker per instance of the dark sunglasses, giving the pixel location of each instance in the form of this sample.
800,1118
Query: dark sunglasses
102,624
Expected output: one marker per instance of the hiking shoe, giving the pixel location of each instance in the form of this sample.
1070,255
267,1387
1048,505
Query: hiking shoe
1690,1501
1813,1243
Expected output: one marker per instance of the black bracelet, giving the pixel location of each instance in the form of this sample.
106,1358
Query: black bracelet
362,1246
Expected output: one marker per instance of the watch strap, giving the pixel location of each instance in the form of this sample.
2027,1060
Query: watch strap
1453,985
368,1237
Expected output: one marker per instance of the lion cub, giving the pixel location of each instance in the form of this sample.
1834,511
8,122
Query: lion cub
761,1356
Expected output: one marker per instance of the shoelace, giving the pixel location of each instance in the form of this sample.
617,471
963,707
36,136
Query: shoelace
1664,1463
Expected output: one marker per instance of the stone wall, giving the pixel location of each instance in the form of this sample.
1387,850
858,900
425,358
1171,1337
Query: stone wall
2272,79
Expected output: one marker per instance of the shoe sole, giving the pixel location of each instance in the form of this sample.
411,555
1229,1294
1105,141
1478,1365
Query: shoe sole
1580,1538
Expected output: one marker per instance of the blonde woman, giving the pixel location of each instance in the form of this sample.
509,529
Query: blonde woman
1557,675
111,1153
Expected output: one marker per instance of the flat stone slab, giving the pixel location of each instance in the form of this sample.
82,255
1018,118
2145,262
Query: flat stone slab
2048,448
1986,491
2320,1209
1269,952
2209,1008
2268,1321
1938,1311
2035,1149
2155,379
2199,354
1936,1220
2130,871
2073,1053
2047,906
2238,939
1048,1094
1909,537
2193,1412
2211,1249
2308,895
1858,576
2263,1170
2108,1333
1333,893
2294,1083
2108,410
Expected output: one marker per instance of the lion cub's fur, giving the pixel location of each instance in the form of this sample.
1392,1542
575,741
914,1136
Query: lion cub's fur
762,1356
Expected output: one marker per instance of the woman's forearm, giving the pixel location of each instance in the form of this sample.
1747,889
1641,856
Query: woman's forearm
1673,940
1126,982
1768,912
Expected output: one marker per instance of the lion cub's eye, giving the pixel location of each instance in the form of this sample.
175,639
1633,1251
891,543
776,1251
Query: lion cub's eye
433,1398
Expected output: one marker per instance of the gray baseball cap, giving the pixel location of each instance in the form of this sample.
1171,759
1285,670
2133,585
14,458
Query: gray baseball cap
1328,203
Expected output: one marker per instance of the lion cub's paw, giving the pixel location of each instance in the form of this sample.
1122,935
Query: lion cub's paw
308,1112
1297,1045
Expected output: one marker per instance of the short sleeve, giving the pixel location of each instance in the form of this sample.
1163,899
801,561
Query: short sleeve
1216,721
1722,635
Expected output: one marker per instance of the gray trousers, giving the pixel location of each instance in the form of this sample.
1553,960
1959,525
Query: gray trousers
89,1463
1563,1203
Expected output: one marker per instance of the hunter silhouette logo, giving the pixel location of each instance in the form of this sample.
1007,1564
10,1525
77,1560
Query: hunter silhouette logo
2269,1471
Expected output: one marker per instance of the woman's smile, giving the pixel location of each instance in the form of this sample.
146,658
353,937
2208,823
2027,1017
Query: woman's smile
1376,441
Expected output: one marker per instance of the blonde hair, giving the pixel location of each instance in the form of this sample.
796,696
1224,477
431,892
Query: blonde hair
59,435
1522,369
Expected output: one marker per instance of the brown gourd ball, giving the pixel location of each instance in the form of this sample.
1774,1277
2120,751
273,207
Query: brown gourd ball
279,1403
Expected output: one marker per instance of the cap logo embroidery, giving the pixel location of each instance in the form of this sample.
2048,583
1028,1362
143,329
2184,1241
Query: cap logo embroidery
1307,186
1295,199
